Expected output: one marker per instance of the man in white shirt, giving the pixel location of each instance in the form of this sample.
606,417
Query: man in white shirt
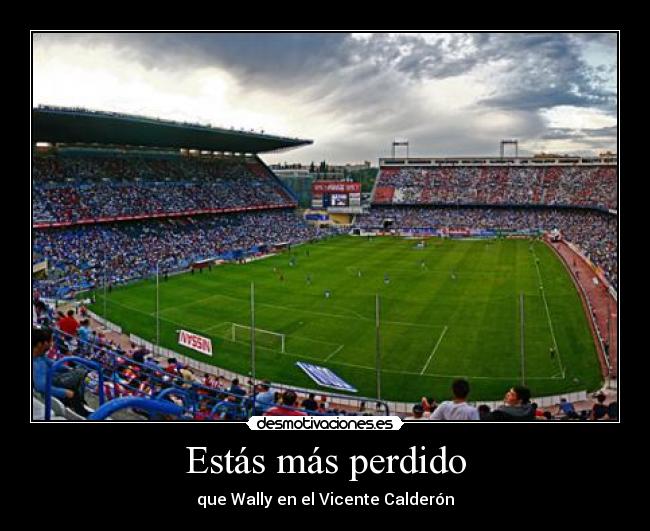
458,408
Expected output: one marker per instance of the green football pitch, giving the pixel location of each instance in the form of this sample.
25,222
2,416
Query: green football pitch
486,310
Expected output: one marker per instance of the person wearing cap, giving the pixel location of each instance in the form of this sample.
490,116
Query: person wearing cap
418,413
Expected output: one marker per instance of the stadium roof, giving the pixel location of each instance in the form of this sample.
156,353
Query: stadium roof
81,126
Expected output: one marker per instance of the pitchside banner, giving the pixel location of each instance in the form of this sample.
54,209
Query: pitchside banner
325,377
195,342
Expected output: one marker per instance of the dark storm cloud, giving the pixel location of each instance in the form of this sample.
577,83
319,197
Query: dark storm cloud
544,70
275,58
541,70
367,84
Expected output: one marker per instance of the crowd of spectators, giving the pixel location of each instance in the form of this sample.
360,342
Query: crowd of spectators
594,232
516,406
83,256
586,186
67,189
136,372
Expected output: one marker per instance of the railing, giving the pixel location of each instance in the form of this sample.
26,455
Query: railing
340,399
154,382
184,395
162,407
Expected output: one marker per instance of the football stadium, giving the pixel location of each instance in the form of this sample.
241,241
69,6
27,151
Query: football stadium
174,276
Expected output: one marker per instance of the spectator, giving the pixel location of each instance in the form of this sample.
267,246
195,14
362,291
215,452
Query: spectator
84,331
566,408
429,404
612,411
69,324
172,366
67,384
265,398
204,411
516,406
289,402
236,390
599,409
484,412
309,404
417,413
458,408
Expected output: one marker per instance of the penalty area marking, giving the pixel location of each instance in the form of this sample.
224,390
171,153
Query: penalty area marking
218,325
444,331
333,353
353,365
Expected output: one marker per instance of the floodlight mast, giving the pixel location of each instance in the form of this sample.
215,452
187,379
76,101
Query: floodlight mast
512,141
400,142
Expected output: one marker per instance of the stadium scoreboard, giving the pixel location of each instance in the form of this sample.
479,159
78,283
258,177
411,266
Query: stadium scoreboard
326,194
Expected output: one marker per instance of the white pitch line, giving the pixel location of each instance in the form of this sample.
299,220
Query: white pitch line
218,325
333,353
363,367
548,314
434,350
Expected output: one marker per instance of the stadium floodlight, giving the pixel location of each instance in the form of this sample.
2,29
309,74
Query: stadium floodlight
400,142
511,142
240,333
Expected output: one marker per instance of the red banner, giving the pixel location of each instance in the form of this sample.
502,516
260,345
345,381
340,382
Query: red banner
320,187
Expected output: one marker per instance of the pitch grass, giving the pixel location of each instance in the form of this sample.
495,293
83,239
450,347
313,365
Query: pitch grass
456,315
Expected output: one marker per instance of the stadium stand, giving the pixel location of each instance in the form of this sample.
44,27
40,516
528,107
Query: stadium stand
81,189
584,186
81,257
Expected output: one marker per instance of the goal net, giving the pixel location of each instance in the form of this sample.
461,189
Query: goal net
265,338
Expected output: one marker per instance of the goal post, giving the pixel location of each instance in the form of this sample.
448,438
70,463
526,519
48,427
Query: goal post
242,334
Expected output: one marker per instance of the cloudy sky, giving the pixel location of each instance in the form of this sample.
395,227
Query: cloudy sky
448,94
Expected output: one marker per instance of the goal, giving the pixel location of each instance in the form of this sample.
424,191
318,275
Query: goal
273,340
